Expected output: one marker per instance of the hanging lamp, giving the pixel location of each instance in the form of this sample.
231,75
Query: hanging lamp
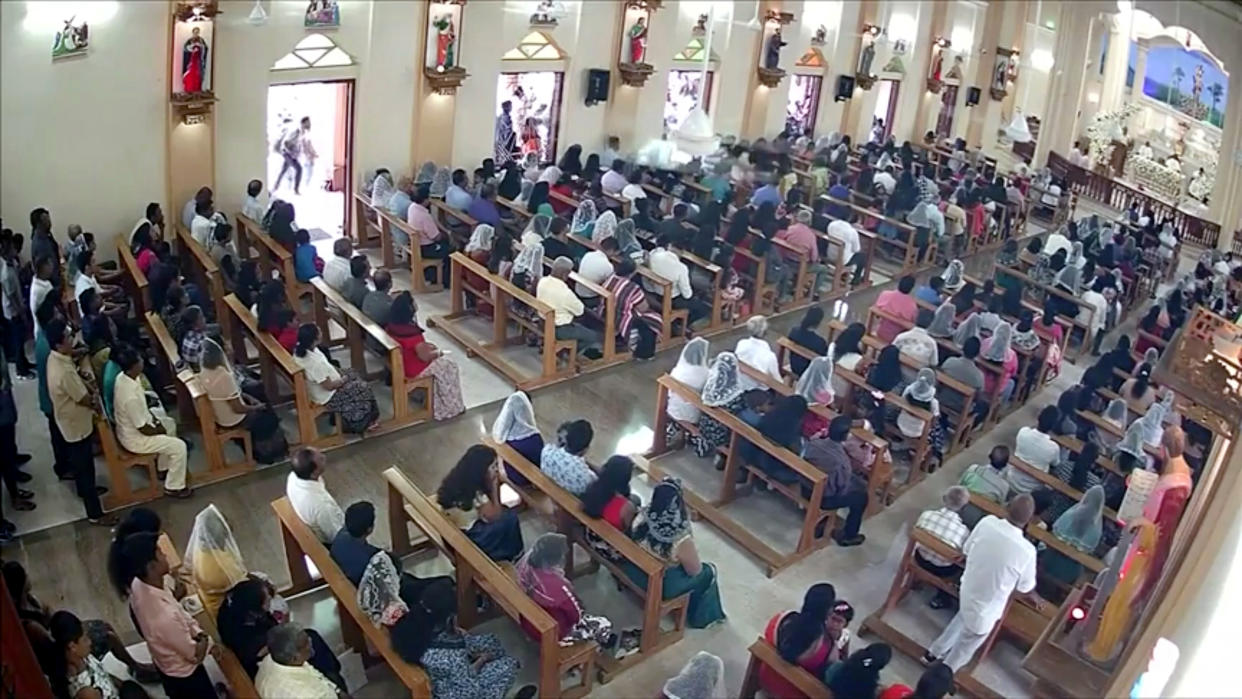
1017,130
696,137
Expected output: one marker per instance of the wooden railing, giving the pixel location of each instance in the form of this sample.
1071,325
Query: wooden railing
1104,189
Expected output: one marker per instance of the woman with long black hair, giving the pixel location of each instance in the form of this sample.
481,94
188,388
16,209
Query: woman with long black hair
800,637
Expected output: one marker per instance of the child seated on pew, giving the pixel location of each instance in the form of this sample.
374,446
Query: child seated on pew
307,264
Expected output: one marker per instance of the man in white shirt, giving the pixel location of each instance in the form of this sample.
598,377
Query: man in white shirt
946,525
633,190
191,206
595,266
203,226
844,233
999,562
154,222
614,180
566,306
667,264
286,671
916,344
40,286
252,208
1094,295
884,180
309,496
336,270
755,351
140,431
1035,446
612,153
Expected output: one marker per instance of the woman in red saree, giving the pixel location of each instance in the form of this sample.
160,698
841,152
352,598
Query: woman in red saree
801,638
1166,503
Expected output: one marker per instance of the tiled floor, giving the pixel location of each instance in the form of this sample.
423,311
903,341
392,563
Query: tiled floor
67,561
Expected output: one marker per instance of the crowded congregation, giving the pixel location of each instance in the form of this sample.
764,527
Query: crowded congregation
869,390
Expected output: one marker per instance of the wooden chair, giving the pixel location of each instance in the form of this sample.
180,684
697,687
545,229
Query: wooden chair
357,629
478,574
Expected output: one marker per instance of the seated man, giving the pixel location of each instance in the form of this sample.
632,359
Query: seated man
355,288
566,306
352,552
378,302
310,498
897,302
139,431
667,264
946,525
987,480
916,344
595,267
457,196
433,244
336,269
483,208
614,180
843,232
802,238
842,488
252,207
564,462
286,671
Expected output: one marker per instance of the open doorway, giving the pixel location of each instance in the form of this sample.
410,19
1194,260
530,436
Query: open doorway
536,98
683,94
886,105
310,128
803,106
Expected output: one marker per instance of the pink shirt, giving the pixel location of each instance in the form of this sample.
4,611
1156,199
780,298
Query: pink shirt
1009,367
801,237
898,304
420,220
168,630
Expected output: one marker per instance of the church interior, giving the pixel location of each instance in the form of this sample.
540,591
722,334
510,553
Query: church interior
620,348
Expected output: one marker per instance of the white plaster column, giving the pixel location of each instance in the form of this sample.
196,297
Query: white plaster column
842,56
1226,199
1140,68
1112,95
1069,76
1003,29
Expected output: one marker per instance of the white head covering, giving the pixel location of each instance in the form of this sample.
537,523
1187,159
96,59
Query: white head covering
583,217
1132,442
691,368
516,419
942,321
967,329
539,225
1070,277
1082,524
524,192
701,678
1116,413
605,227
998,348
213,547
924,387
481,238
815,384
551,174
722,385
954,276
627,239
382,189
426,173
379,591
211,346
530,261
440,183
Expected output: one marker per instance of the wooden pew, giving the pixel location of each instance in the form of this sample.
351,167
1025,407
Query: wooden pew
1038,534
762,292
418,265
763,653
809,539
879,477
361,334
272,256
206,273
909,251
717,321
477,574
574,523
647,277
365,222
275,360
119,462
134,281
502,291
168,359
1077,321
358,631
1050,481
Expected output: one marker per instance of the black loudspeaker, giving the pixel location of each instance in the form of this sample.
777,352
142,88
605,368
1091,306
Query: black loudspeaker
972,96
597,86
845,88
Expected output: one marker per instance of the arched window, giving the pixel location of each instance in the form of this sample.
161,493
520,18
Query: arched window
314,51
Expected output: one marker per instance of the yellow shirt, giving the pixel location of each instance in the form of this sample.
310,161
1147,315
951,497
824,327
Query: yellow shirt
215,573
564,302
66,387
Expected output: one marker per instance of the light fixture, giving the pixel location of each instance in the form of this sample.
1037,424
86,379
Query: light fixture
696,136
258,16
1017,130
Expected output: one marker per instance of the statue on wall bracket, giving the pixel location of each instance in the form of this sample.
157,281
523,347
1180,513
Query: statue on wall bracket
1004,70
632,61
71,40
935,73
769,68
193,75
442,52
864,76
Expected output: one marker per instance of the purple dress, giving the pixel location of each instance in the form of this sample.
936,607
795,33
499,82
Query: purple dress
530,447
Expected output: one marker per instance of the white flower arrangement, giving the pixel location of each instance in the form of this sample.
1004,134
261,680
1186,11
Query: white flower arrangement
1100,131
1153,176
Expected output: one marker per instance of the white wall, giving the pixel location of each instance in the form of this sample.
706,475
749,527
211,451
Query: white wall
84,136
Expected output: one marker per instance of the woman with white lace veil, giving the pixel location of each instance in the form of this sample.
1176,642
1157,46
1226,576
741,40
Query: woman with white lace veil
967,329
439,183
691,370
537,229
701,678
723,389
426,173
515,427
605,227
1116,415
215,562
999,349
583,222
379,591
627,239
382,188
526,272
942,321
815,385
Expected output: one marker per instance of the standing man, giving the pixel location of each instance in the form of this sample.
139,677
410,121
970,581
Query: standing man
43,243
291,142
204,194
47,314
505,140
999,562
10,460
42,284
73,405
14,309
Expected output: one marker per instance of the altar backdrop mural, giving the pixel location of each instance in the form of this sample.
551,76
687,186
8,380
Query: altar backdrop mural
1186,81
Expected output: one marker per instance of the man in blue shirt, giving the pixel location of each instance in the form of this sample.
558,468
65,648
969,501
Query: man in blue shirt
930,292
767,193
352,552
456,196
483,208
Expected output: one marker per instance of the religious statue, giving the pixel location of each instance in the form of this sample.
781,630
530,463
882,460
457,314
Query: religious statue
937,64
1197,88
545,14
638,40
194,63
446,40
867,57
955,73
322,13
1000,73
772,52
821,36
700,26
70,40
